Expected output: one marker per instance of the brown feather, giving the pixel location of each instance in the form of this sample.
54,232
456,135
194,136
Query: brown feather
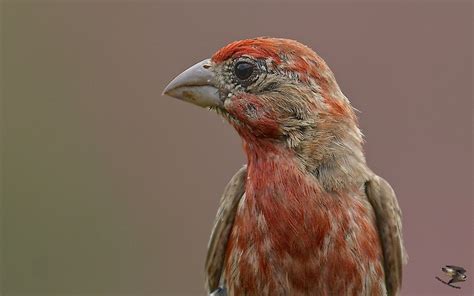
388,216
233,192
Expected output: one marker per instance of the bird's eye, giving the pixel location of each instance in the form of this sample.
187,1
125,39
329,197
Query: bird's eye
243,70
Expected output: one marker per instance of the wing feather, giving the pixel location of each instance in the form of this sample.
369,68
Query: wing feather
222,226
388,215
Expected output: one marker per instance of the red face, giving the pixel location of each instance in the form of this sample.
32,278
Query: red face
253,116
270,86
266,87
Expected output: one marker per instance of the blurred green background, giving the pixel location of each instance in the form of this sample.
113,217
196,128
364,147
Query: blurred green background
109,188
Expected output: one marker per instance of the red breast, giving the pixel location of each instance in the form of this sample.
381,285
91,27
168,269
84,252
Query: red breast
291,237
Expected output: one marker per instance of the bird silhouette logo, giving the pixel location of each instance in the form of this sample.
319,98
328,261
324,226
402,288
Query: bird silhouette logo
455,273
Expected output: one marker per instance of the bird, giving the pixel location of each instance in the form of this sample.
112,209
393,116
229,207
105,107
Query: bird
456,273
305,215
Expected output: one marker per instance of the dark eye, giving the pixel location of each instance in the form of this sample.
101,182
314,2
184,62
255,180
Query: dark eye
243,70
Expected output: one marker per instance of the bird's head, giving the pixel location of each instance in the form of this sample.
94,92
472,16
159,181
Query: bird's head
271,90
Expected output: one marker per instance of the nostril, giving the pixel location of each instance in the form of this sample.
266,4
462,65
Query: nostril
206,66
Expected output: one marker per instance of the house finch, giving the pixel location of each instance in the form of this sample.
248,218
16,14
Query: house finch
305,216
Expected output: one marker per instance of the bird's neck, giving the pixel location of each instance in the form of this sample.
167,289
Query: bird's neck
267,157
339,163
334,166
276,177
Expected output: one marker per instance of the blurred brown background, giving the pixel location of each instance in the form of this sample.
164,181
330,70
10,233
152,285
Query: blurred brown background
111,189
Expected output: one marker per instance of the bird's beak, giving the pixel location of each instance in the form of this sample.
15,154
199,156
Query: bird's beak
195,85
